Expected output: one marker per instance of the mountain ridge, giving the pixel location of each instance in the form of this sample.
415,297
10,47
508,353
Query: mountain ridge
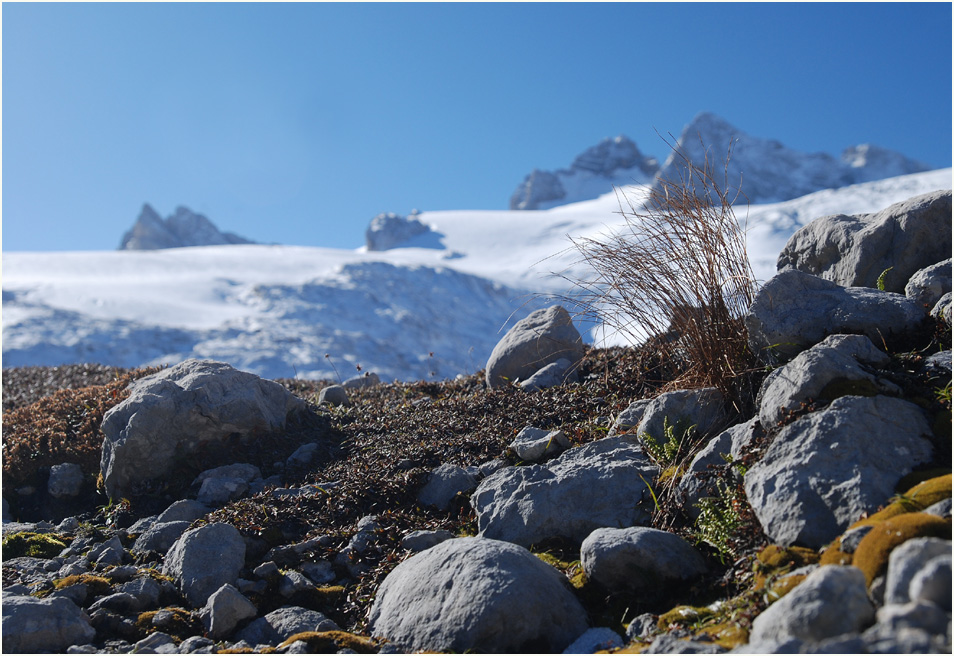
764,169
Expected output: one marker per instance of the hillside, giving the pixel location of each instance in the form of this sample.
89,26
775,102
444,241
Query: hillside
282,311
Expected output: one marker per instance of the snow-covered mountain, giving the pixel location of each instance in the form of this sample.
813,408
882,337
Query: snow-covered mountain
431,306
184,228
595,171
764,169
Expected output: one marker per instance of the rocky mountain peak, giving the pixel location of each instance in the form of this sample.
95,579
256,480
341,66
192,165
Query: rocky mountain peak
182,229
764,169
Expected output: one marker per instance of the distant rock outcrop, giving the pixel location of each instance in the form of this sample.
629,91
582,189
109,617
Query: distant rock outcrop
594,171
184,228
388,230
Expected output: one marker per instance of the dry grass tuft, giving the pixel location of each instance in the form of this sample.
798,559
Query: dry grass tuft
62,427
678,269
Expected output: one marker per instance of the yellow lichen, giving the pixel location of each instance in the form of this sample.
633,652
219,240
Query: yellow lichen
775,559
871,556
331,642
683,615
924,494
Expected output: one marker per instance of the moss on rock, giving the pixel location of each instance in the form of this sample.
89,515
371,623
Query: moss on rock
34,545
871,556
332,642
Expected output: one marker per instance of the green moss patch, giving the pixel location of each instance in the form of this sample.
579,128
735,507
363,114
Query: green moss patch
34,545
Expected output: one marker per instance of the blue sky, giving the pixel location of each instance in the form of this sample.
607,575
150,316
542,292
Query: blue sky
297,123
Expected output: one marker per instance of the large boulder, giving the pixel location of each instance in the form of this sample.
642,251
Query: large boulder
853,251
168,415
823,470
838,365
32,625
204,559
796,310
831,601
639,559
474,594
700,408
282,623
603,483
540,339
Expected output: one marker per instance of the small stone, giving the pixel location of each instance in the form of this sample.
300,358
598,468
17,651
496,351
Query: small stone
334,395
66,480
421,540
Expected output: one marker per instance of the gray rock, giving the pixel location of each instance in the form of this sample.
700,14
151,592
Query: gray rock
219,491
66,480
444,484
556,373
913,615
853,251
320,572
933,583
707,470
594,640
334,395
160,537
168,414
702,408
942,309
156,643
140,526
144,589
122,603
184,510
479,595
421,540
32,625
638,559
538,187
533,444
930,284
303,455
491,466
905,561
283,623
853,537
390,230
184,228
107,553
796,310
641,626
240,471
831,601
824,470
204,559
879,640
293,582
941,509
224,610
368,379
197,645
831,368
542,338
938,365
629,418
600,484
